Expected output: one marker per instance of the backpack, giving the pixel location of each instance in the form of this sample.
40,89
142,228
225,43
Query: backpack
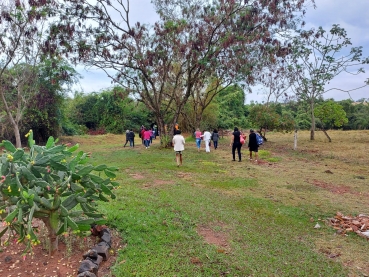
259,139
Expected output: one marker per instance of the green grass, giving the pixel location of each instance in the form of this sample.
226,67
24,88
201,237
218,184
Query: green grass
264,218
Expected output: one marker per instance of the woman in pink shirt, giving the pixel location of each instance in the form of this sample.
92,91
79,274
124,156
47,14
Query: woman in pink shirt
198,139
146,137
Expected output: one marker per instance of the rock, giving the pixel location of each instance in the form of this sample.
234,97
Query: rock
87,265
102,249
86,274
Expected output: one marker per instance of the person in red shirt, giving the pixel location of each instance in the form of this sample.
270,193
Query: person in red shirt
147,136
142,135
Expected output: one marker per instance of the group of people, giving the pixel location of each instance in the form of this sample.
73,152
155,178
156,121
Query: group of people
130,137
207,137
147,135
178,141
238,139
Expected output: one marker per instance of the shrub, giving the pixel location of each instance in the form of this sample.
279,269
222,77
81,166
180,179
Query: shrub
52,184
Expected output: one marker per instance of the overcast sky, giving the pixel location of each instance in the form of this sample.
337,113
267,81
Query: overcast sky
353,15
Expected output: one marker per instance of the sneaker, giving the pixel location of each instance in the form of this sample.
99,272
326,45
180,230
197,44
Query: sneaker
233,160
239,161
146,147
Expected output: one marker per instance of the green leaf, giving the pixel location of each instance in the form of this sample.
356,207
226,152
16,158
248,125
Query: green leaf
41,161
73,148
18,154
100,221
81,199
75,187
58,166
26,173
50,142
72,224
110,174
85,221
9,146
84,227
85,170
57,158
100,167
12,215
105,189
103,198
3,232
96,179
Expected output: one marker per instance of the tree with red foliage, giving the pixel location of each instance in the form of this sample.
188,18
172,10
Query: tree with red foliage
193,43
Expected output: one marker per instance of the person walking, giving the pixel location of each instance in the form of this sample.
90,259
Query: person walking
198,136
127,138
236,144
131,137
142,131
215,138
146,137
207,136
178,144
253,145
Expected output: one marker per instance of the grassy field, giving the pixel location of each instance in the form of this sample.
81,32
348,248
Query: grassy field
215,217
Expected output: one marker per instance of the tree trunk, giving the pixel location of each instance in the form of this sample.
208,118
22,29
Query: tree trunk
312,130
18,142
295,140
52,225
326,134
53,238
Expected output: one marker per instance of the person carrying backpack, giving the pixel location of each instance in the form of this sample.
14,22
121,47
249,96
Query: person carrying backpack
253,144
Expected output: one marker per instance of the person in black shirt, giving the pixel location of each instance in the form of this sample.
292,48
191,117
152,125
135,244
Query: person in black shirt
215,138
236,144
253,145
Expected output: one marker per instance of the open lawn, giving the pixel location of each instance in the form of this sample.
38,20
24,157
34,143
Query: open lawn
215,217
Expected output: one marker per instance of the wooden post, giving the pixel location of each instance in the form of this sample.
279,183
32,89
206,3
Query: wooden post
295,140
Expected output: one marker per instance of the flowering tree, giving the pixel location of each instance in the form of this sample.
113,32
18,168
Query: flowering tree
194,43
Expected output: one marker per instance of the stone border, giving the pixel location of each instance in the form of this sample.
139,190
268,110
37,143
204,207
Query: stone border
92,259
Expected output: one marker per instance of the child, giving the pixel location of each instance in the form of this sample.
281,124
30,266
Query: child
178,143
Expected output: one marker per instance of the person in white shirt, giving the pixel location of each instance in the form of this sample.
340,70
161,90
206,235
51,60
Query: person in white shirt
207,137
178,143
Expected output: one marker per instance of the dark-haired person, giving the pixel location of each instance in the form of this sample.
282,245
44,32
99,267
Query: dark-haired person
236,144
253,145
215,138
127,137
131,137
178,143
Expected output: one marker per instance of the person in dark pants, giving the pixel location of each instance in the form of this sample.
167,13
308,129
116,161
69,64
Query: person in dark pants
253,145
131,137
127,138
215,138
236,144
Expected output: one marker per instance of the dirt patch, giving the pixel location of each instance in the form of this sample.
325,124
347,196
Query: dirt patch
336,189
63,263
137,176
216,238
157,183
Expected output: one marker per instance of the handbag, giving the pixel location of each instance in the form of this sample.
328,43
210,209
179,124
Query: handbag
242,140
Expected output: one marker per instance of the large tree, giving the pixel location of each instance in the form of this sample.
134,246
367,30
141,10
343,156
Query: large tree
24,42
319,56
193,43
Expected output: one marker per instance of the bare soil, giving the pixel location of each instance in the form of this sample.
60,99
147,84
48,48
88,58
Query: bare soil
63,263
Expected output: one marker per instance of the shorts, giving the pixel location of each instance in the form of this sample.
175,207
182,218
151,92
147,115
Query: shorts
253,149
178,152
